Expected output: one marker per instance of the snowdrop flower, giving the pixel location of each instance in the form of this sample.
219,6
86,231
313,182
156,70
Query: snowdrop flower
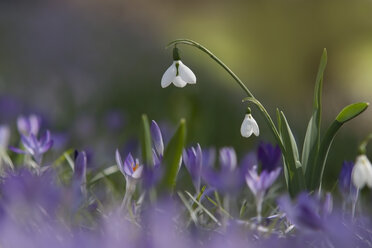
362,172
178,73
249,125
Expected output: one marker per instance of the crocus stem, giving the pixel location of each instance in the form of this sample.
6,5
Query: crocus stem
130,188
354,205
259,201
238,81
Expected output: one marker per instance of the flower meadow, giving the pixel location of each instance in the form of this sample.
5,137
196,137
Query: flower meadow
166,192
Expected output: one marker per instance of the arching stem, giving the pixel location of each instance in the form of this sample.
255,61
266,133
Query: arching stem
239,82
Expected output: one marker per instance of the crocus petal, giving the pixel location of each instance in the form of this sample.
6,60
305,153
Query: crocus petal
16,150
28,144
179,82
186,74
119,161
138,172
45,138
168,76
128,165
34,121
45,147
228,158
157,138
23,125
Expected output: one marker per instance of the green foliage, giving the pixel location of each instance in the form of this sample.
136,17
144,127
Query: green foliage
295,178
172,158
312,137
146,141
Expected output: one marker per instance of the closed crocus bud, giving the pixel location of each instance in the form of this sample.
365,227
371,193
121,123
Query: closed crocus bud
249,125
178,73
362,172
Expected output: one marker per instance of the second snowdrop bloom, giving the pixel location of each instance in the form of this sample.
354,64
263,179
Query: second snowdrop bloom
362,172
178,73
249,126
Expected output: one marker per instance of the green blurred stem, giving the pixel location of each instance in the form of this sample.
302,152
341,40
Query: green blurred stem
363,146
239,82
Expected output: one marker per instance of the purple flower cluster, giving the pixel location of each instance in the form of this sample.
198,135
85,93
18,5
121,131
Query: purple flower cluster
62,205
29,129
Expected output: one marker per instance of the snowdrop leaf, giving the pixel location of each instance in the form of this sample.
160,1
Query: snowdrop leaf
172,157
312,137
294,173
315,175
351,111
146,141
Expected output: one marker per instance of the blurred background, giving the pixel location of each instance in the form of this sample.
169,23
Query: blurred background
90,68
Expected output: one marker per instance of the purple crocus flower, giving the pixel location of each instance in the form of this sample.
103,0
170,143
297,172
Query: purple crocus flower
152,174
269,156
228,158
130,168
347,189
36,148
158,144
309,212
192,159
28,125
259,184
132,171
230,177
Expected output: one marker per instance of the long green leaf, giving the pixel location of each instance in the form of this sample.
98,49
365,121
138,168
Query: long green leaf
146,141
312,137
348,113
293,166
172,158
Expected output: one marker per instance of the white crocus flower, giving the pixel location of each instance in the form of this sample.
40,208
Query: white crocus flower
362,172
178,74
249,126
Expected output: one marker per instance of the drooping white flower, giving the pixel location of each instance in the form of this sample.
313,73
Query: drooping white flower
249,126
178,74
362,172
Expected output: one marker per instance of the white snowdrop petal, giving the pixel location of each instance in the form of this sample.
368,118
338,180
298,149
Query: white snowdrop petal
186,74
168,76
245,129
179,82
249,126
358,176
255,128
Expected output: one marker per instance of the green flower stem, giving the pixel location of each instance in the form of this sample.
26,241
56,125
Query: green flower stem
240,83
363,145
